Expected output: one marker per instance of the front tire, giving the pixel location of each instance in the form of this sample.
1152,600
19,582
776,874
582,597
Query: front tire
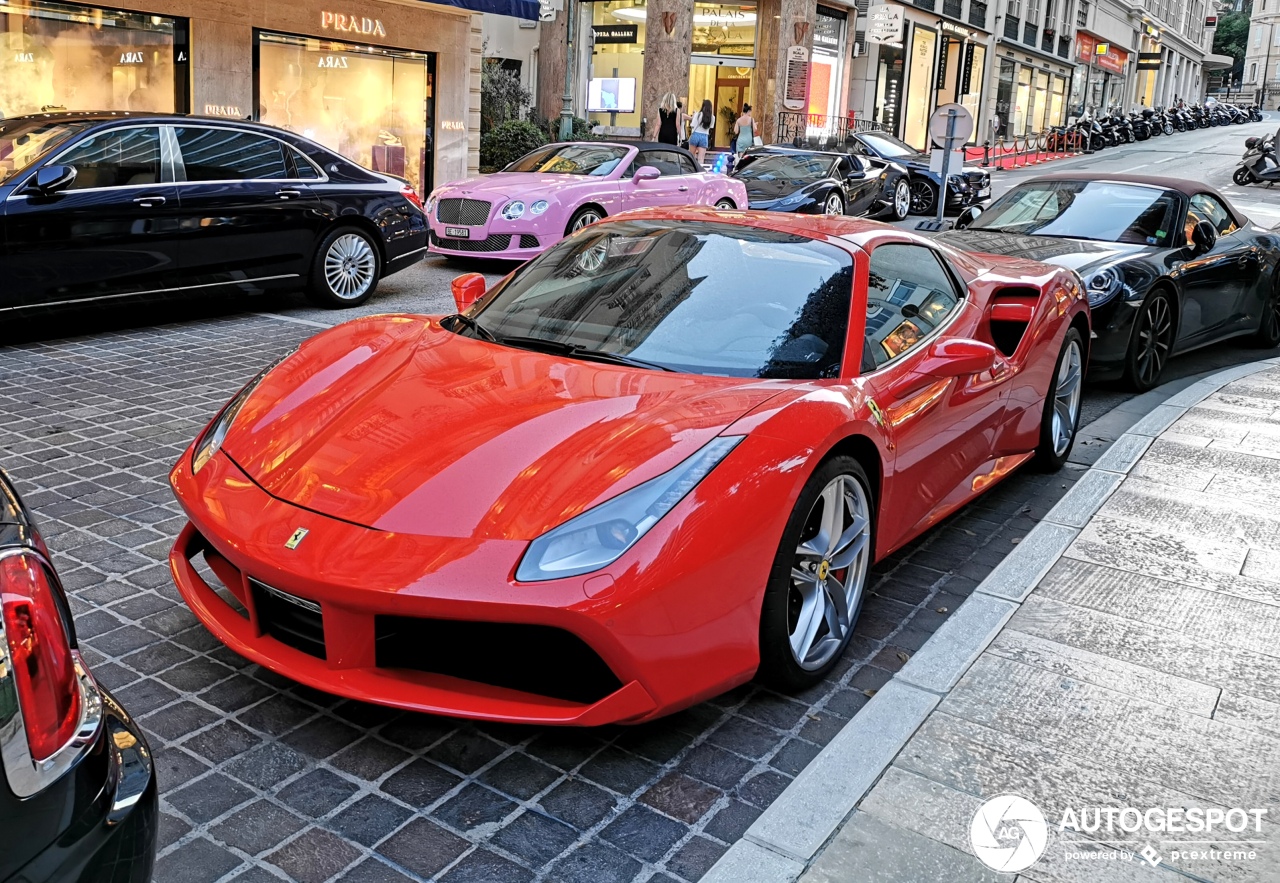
819,576
584,216
834,205
924,197
726,205
1243,176
345,269
1152,342
1060,422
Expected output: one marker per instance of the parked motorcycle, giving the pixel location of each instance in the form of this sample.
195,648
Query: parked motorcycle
1259,165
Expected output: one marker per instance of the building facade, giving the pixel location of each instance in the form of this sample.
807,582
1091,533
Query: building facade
1261,74
390,83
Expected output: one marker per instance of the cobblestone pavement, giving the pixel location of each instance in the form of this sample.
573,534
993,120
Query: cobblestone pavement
1141,671
262,779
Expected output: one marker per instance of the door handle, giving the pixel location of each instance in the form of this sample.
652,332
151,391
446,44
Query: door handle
149,201
288,193
682,188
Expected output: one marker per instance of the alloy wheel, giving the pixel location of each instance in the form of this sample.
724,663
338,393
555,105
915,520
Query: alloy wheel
1066,398
1155,340
834,206
922,197
901,200
725,205
829,572
585,219
350,266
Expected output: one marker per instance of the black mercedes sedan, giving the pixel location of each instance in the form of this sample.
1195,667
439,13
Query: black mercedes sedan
80,801
964,188
113,205
787,179
1168,265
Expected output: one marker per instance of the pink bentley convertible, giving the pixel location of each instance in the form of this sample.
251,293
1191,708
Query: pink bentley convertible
531,204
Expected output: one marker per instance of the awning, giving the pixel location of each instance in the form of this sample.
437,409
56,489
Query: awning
526,9
1218,62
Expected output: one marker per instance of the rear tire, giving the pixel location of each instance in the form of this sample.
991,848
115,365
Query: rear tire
1060,422
345,269
1268,334
818,583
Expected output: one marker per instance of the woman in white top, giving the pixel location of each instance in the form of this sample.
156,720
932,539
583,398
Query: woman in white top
703,120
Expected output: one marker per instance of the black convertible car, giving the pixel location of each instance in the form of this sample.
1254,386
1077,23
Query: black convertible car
964,188
1168,265
786,179
109,205
78,801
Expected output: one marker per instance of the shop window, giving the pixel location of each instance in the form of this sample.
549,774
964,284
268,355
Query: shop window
368,103
116,158
228,155
58,56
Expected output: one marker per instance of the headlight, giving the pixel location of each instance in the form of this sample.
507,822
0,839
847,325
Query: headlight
793,199
513,210
430,204
538,207
216,434
599,536
1103,286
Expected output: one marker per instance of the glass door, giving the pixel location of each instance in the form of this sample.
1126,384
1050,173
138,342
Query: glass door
373,105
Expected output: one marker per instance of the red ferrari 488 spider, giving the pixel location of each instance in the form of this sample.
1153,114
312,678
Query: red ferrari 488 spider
649,465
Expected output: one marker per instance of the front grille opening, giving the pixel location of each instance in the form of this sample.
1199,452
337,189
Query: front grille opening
467,212
289,619
222,576
497,242
535,659
528,240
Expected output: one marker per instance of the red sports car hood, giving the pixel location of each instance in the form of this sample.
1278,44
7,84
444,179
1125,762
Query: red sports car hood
395,423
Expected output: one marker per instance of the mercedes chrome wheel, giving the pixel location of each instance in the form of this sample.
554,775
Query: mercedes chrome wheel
923,197
819,576
345,270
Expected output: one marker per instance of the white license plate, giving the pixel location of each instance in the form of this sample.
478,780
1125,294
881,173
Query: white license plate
457,232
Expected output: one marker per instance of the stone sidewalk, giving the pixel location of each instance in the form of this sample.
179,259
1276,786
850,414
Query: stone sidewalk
1126,656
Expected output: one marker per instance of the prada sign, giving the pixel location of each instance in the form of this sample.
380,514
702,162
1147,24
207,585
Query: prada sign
352,24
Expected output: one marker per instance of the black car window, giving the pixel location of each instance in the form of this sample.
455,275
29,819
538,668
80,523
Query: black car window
860,148
687,166
304,169
1210,209
230,155
115,158
698,297
909,294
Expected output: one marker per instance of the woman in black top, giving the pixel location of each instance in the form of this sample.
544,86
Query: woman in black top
668,116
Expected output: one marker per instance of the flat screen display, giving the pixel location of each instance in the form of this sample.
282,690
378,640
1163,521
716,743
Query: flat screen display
611,95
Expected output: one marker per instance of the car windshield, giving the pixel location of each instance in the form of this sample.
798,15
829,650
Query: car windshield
1101,210
803,169
22,142
889,146
571,159
699,298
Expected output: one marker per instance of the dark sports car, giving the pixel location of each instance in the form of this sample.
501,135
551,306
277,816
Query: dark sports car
110,205
784,179
80,801
1168,265
964,188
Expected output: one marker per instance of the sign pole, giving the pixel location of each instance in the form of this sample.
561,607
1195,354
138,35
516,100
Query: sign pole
949,143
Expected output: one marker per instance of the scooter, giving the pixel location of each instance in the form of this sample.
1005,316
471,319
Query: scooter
1259,165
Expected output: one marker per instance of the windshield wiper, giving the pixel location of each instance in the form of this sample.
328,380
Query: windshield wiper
574,350
461,319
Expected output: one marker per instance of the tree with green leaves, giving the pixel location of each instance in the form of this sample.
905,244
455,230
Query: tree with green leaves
1232,37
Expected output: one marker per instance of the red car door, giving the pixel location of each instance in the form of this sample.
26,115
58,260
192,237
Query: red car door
941,418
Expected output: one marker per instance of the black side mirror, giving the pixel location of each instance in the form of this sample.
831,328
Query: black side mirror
855,175
967,217
1204,237
51,179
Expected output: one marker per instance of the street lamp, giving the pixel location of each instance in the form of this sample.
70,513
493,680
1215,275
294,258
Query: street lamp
566,106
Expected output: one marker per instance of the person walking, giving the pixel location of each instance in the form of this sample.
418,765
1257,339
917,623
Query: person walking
703,120
668,120
745,130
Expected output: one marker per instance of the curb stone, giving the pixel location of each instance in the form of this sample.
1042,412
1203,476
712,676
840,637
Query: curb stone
786,838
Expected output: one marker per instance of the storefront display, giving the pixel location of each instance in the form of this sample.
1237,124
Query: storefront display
889,81
723,63
57,56
618,34
371,104
827,69
920,86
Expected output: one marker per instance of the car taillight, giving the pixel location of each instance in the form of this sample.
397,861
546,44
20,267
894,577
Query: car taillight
410,194
40,656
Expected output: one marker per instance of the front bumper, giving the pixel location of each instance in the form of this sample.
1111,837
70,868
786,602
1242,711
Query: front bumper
662,653
114,839
484,243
